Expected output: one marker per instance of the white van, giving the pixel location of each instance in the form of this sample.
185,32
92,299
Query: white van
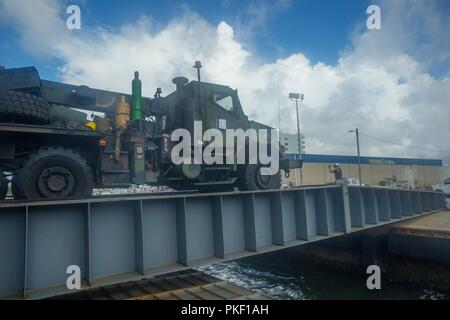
444,187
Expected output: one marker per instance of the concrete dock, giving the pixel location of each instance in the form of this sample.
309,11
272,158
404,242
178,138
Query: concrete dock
436,225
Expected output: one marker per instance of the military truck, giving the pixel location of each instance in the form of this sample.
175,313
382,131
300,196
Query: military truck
60,140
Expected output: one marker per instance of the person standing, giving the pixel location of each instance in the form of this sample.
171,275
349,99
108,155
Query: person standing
337,171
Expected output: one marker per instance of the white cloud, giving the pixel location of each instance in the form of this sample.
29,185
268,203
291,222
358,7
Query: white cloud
380,83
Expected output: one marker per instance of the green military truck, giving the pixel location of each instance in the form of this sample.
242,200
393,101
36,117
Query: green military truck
50,149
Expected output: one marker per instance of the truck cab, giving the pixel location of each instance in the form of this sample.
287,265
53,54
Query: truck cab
52,150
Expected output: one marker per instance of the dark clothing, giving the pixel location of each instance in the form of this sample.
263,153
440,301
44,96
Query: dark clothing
337,173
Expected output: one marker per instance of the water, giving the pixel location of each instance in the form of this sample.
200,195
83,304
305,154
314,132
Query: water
277,277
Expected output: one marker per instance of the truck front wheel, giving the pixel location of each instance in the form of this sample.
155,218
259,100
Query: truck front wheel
53,172
250,178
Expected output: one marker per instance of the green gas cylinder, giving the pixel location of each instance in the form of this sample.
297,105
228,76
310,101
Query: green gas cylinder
136,98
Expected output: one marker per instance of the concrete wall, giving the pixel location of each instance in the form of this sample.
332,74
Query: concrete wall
445,172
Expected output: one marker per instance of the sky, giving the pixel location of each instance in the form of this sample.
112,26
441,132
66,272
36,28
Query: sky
393,83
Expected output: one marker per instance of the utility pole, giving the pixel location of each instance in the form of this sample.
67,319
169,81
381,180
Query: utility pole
279,114
299,137
296,97
359,154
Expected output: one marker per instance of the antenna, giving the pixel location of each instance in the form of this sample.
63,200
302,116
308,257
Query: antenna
198,66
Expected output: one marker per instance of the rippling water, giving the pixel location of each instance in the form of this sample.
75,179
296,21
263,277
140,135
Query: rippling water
279,279
275,285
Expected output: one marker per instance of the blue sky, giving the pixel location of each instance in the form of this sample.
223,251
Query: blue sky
392,84
319,29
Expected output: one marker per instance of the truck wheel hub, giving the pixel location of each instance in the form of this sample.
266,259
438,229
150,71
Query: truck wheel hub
56,181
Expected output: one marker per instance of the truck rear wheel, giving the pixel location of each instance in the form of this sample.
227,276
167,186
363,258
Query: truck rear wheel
53,173
21,107
250,178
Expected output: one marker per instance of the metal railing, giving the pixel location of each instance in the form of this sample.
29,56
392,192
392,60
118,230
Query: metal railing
124,238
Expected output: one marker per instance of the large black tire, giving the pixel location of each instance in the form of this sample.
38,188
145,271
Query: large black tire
3,187
53,172
21,107
250,178
216,188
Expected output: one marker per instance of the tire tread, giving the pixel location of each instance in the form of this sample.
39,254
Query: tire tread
21,107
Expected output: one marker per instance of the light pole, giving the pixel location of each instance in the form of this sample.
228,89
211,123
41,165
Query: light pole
359,154
296,97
